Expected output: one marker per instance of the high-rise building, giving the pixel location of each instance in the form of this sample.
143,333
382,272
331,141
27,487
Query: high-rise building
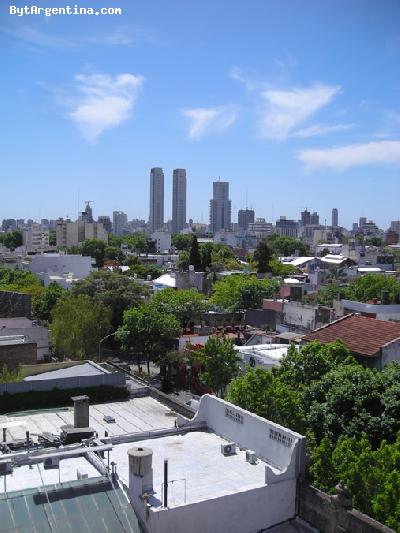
314,219
220,207
120,222
106,221
305,217
335,217
178,200
287,228
245,217
156,213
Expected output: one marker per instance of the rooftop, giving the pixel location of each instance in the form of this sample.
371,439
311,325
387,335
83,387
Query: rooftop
362,335
134,415
196,463
85,506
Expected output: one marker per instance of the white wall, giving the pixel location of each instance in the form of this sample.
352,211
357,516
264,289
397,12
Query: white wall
80,265
241,512
251,432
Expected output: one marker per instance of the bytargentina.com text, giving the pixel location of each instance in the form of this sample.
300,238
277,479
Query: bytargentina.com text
67,10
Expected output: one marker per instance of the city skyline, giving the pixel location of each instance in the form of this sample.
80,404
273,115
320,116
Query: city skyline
287,113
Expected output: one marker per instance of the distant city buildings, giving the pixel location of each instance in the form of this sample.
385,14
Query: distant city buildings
73,233
35,237
220,207
106,221
156,214
245,217
286,227
335,217
120,222
178,200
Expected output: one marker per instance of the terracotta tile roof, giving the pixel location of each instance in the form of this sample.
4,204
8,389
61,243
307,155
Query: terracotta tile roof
362,335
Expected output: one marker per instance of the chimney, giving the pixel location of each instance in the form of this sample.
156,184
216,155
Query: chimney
385,297
81,411
140,475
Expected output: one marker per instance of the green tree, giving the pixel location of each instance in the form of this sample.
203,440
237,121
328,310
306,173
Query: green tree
12,239
152,333
94,248
52,238
194,255
279,269
11,376
371,286
263,256
184,260
18,280
264,394
221,364
182,241
206,255
140,269
113,253
185,304
287,246
238,292
116,291
78,324
45,303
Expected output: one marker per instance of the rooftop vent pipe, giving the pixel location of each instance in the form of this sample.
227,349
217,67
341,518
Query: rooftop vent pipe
81,411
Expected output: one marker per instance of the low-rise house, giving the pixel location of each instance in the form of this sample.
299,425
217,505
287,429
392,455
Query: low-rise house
373,342
31,331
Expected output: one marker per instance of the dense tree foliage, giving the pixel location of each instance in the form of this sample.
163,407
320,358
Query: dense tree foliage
221,364
136,242
152,333
116,291
238,292
194,254
11,239
44,304
15,279
78,324
350,414
186,304
264,394
182,241
263,255
94,248
287,246
142,270
371,286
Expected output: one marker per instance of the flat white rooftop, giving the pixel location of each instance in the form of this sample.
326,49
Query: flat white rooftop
131,416
85,369
194,459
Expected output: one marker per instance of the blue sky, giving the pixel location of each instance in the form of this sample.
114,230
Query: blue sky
295,102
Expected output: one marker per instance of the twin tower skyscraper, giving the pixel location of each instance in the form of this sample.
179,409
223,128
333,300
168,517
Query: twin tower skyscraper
156,212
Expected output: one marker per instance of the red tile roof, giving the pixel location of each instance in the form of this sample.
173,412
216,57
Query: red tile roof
362,335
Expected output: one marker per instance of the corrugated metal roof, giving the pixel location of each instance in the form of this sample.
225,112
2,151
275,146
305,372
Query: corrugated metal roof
90,505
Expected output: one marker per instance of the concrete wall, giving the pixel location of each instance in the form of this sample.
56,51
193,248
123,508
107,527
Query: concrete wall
116,379
14,304
240,512
278,446
390,352
262,317
333,514
14,355
33,334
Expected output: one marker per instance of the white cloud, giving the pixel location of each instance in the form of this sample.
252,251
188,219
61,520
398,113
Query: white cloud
320,129
205,120
285,110
103,102
352,155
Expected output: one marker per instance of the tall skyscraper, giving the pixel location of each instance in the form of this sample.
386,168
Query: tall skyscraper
178,200
335,217
120,222
220,207
156,213
245,217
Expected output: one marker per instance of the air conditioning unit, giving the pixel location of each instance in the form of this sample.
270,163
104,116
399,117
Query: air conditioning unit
228,449
251,457
51,462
